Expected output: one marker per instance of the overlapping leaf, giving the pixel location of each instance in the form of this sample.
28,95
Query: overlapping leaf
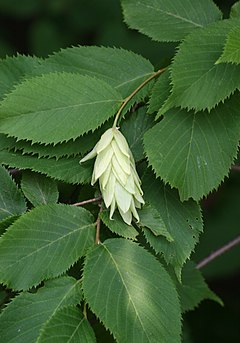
57,107
182,220
198,82
64,169
79,146
231,53
3,295
6,142
65,149
167,20
5,223
67,325
39,189
121,69
160,92
150,218
11,199
133,128
193,288
195,150
235,10
13,69
118,226
47,241
22,320
131,293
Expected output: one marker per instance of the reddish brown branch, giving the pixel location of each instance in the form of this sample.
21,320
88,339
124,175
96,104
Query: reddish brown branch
219,252
98,225
89,201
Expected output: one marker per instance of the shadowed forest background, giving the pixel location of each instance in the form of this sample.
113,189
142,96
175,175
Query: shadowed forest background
40,27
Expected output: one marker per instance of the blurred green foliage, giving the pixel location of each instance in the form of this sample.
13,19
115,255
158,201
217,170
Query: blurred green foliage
40,27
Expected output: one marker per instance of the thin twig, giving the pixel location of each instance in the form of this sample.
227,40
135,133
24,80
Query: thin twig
128,98
98,225
218,252
89,201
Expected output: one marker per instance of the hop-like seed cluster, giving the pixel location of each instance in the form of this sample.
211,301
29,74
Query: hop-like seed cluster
118,179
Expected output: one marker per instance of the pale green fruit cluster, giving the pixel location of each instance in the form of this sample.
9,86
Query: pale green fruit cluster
118,179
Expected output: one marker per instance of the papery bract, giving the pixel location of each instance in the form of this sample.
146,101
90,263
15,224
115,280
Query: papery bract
118,179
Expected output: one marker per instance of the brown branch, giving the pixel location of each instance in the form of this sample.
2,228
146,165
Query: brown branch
218,252
89,201
98,225
98,221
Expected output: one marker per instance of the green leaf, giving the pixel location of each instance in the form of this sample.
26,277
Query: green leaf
121,69
231,52
151,218
47,241
131,293
11,199
4,297
182,220
66,149
133,128
6,142
14,69
193,289
163,20
67,325
198,82
64,169
5,223
57,107
79,146
160,92
39,189
118,226
22,320
193,145
235,10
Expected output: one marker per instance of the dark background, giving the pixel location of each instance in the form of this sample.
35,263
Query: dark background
39,27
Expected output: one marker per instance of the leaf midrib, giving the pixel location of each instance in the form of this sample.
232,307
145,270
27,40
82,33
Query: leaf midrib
170,14
49,244
58,108
130,298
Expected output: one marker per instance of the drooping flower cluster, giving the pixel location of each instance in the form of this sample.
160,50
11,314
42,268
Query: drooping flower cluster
118,179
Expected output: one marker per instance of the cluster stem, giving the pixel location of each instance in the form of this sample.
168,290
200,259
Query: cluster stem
129,97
